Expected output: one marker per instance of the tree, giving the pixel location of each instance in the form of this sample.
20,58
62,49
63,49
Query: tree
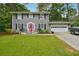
58,10
16,7
70,11
78,7
75,21
42,7
5,16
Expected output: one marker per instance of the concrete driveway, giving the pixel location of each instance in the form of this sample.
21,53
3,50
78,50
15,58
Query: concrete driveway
72,40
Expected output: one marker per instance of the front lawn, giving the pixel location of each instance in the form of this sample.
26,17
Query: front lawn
34,45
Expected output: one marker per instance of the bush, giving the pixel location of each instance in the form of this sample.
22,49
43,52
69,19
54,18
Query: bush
43,31
2,27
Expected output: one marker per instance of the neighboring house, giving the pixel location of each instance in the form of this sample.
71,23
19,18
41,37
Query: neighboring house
29,22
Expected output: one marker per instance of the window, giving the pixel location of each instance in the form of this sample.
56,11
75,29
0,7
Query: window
41,16
19,16
44,26
30,16
41,25
27,15
33,15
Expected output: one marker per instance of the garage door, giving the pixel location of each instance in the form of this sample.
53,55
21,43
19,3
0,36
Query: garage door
59,28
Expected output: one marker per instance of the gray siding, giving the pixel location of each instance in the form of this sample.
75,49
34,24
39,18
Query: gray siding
25,20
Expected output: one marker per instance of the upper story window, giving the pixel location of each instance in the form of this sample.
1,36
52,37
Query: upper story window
27,15
41,16
31,16
19,16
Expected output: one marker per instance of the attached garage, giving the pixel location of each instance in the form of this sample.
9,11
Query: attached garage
59,26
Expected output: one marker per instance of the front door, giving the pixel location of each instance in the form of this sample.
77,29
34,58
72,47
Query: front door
30,27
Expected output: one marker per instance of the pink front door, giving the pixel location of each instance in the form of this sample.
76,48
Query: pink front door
30,27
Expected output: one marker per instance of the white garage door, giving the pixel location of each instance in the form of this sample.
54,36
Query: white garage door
59,28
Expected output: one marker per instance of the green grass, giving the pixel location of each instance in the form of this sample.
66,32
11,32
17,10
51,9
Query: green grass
34,45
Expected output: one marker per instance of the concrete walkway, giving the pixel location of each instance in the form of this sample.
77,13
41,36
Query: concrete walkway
72,40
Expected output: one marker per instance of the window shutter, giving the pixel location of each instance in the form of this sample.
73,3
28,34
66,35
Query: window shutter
16,16
16,26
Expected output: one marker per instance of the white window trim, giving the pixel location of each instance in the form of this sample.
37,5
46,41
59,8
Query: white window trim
41,16
19,16
30,16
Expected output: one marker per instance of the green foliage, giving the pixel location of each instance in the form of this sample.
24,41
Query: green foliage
34,45
43,30
58,10
42,7
70,11
5,16
75,21
2,27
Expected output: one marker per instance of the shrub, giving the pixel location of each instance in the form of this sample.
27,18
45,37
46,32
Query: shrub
43,31
2,27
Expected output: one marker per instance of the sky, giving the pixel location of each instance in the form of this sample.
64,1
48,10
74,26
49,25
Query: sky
32,6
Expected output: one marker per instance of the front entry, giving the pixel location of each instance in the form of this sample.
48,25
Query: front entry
30,27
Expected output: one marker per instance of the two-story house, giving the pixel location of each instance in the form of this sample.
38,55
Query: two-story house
29,22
